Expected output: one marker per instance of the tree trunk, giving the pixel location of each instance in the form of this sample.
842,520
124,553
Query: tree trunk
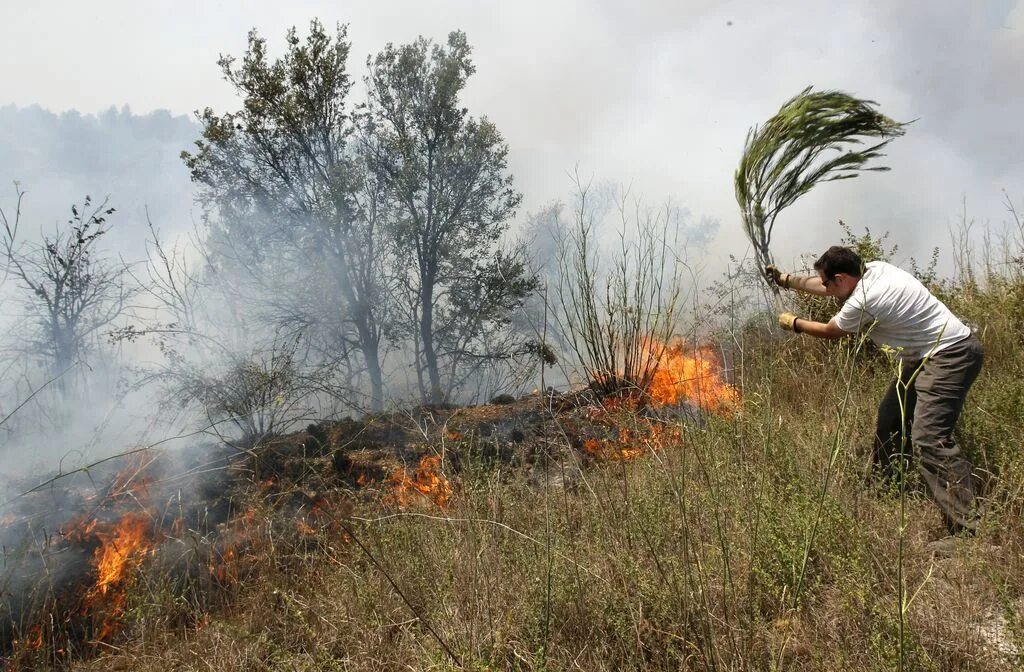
372,356
436,396
64,355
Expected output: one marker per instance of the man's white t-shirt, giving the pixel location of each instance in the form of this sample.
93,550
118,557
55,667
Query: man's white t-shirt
904,313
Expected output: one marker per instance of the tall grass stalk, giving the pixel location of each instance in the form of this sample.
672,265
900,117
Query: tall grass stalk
829,469
902,605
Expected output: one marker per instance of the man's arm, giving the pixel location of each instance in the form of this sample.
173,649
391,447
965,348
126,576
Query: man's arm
811,284
830,331
818,329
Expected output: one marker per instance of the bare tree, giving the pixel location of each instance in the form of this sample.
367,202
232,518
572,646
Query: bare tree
73,293
619,322
212,362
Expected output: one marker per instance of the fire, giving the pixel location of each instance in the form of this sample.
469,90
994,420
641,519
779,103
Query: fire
614,450
684,374
225,569
120,542
630,444
427,481
122,550
33,640
692,374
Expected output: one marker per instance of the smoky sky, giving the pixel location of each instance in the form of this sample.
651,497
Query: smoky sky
658,95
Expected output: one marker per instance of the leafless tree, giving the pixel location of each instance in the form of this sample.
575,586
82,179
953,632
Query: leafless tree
72,293
618,322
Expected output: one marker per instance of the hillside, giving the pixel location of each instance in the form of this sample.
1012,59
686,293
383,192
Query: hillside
569,532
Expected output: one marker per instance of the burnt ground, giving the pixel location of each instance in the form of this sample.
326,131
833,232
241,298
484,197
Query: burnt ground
525,434
198,504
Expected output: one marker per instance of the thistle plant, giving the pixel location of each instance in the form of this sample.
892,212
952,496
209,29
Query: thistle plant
816,136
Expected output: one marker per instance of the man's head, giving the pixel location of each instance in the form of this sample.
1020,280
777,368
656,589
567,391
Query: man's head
840,269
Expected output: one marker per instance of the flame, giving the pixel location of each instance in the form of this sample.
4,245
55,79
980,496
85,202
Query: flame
427,481
122,549
630,444
225,569
79,529
33,640
691,374
616,450
133,481
121,544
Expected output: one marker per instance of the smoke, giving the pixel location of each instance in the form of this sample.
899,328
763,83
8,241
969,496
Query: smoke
657,94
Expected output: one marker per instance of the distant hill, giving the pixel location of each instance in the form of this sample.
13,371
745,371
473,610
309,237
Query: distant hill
59,158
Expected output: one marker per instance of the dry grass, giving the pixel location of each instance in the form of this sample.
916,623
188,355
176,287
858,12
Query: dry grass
688,557
738,543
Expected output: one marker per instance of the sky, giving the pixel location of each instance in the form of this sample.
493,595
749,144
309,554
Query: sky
656,95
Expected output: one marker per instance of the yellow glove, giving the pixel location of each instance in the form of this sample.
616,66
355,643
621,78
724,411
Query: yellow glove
788,322
775,275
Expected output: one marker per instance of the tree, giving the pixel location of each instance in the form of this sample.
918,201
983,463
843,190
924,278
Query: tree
73,292
297,210
446,177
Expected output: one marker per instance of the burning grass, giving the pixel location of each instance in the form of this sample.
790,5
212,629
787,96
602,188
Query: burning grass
680,373
138,524
70,581
426,481
693,375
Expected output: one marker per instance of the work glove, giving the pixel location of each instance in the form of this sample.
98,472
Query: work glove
788,322
775,275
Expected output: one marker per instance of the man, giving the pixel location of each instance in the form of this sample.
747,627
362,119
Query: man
940,360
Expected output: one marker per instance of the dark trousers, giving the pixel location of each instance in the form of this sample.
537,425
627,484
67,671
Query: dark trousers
933,395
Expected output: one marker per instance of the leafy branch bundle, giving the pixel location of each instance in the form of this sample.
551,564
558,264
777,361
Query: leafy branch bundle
816,136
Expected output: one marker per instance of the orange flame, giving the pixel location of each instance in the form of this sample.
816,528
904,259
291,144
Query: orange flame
630,444
691,374
122,549
33,640
120,546
614,450
427,481
225,569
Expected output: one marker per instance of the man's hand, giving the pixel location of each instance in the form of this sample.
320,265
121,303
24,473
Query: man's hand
775,275
788,322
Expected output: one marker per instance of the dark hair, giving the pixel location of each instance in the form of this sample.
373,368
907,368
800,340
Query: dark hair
839,259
